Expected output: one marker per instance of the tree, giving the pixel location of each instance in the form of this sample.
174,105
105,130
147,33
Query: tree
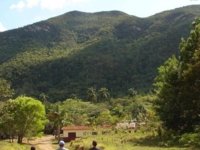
43,98
5,90
132,92
25,115
7,122
103,94
92,95
58,114
178,87
138,110
105,118
167,83
196,22
82,113
190,79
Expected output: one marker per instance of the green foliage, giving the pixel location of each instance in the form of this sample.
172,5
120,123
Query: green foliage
81,113
4,145
167,84
138,110
103,94
92,95
105,118
190,140
124,140
77,112
5,90
57,114
68,54
178,87
22,116
132,92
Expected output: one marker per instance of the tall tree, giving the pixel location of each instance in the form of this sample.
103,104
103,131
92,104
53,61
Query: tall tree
5,90
168,88
132,92
190,79
92,95
58,115
103,94
178,87
43,98
7,122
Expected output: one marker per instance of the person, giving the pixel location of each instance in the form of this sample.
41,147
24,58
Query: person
33,148
62,144
94,144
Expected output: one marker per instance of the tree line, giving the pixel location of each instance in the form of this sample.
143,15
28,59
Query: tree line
29,117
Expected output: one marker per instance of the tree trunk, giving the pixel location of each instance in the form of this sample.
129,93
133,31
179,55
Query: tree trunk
58,132
19,139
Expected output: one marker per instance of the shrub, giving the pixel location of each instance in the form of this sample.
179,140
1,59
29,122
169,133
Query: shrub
190,139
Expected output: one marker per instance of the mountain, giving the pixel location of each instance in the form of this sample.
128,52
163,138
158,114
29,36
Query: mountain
68,54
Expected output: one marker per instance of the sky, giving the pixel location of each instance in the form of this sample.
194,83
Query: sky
19,13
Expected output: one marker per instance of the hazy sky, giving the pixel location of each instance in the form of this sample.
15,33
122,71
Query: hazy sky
18,13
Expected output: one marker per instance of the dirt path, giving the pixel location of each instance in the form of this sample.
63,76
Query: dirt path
43,143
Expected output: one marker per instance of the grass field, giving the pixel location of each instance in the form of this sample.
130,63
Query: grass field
124,141
6,145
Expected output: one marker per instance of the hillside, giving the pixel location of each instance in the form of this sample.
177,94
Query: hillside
68,54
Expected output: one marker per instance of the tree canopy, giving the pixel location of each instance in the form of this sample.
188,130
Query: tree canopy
5,90
23,116
178,87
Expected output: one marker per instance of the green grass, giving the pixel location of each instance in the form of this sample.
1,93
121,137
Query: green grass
6,145
125,141
128,141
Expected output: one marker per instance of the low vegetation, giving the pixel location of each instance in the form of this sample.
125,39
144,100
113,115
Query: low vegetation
5,145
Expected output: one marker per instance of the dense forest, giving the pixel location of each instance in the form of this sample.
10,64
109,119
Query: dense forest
64,56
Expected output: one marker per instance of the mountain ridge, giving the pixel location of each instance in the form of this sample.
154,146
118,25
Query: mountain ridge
69,53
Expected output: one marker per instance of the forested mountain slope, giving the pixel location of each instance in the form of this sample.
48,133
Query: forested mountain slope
68,54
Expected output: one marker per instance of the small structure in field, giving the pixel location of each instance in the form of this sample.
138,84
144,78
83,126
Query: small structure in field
73,132
130,125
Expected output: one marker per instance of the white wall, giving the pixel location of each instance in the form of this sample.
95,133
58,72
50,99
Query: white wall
79,133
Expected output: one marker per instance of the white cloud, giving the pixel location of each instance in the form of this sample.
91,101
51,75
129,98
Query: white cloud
45,4
53,4
32,3
19,6
2,28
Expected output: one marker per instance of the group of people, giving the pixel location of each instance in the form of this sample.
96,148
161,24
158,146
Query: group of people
62,144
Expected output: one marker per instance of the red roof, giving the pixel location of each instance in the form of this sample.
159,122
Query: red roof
76,128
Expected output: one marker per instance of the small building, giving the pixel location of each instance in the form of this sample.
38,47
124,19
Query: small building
130,126
73,132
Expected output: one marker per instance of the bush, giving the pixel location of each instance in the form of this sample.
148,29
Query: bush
190,139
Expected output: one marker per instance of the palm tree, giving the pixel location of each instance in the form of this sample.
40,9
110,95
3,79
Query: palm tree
103,93
132,92
58,115
91,94
43,98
